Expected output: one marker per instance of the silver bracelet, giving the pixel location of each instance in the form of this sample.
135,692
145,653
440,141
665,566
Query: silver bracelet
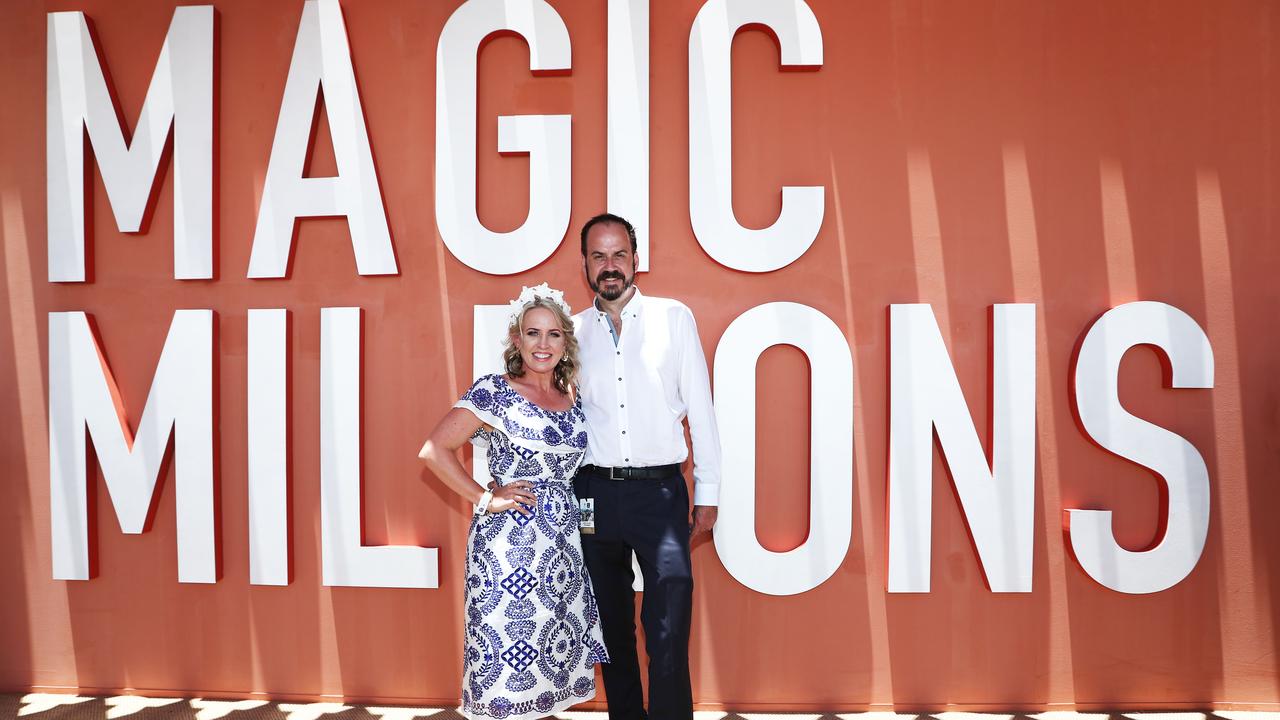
482,505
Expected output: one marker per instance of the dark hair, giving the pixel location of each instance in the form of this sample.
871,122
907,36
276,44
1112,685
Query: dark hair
609,218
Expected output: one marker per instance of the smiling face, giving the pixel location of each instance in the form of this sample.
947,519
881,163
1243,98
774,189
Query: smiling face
610,263
541,340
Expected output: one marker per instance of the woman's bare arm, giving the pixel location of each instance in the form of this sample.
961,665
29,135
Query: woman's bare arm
440,452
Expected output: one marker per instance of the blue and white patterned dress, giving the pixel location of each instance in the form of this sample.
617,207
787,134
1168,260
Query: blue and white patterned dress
532,632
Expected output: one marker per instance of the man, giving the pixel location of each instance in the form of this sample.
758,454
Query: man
642,373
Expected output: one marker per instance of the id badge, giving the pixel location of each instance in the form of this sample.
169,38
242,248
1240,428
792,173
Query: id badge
587,516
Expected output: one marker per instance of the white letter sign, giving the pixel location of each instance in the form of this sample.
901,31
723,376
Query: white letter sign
345,559
544,137
180,96
82,392
711,140
998,500
830,455
628,93
1170,456
321,60
267,380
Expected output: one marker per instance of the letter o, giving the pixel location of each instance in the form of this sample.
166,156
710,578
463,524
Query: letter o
831,464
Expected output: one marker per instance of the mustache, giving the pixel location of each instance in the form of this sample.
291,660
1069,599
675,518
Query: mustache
609,275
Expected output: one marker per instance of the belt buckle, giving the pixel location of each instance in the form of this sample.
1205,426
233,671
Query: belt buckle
611,475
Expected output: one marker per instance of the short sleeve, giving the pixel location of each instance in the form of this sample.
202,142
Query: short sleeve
481,400
492,399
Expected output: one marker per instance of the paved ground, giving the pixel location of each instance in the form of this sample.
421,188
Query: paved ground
73,707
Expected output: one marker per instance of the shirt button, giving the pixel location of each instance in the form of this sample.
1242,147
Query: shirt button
624,432
619,379
622,405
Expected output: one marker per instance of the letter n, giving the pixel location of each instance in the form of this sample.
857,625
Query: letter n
997,498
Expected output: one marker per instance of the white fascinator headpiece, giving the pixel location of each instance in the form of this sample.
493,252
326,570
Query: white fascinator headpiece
529,294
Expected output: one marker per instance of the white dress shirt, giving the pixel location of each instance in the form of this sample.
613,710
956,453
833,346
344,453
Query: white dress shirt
637,393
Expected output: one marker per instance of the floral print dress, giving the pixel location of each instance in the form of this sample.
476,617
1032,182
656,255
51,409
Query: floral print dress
532,631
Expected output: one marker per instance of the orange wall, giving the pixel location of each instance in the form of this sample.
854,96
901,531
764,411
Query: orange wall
1072,154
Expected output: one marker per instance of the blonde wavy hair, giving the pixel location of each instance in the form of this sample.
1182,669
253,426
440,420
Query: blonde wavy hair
566,371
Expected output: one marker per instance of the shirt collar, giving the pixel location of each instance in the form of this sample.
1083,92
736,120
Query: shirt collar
630,310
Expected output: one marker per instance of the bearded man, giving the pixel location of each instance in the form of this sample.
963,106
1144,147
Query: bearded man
642,374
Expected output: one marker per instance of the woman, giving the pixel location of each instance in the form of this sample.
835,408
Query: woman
532,632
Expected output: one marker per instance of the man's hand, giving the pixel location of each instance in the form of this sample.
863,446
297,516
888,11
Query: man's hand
704,518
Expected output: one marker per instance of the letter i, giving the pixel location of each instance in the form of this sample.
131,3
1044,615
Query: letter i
268,438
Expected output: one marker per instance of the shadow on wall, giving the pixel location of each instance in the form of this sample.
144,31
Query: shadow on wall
22,413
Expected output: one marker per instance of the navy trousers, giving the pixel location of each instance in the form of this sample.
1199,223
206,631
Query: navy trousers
651,517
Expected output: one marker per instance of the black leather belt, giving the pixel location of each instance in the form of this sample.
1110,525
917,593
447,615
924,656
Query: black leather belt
631,473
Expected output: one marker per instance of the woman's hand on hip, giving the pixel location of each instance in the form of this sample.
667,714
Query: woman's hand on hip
516,496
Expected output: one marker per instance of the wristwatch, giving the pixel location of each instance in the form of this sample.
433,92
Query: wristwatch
482,505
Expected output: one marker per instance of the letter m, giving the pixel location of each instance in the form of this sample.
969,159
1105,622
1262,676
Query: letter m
180,96
83,394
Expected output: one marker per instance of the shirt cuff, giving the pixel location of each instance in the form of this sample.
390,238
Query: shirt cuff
705,493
